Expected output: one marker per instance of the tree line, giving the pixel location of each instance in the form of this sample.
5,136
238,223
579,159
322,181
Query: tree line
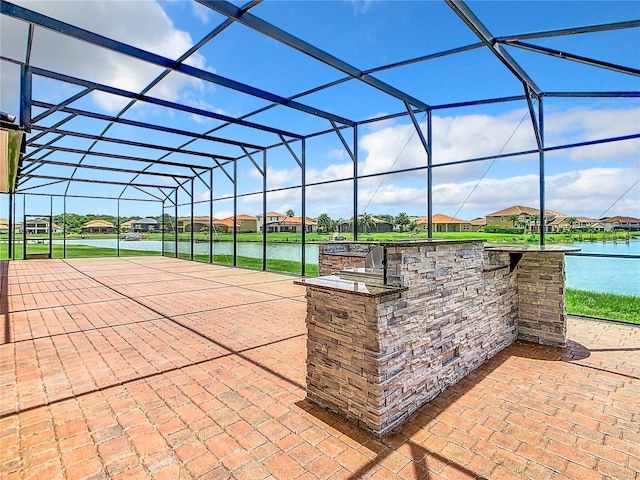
401,222
73,222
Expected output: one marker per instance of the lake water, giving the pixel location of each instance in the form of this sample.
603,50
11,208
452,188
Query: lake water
610,275
275,250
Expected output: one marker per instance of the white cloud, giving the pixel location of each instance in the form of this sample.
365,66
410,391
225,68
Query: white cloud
337,153
201,12
360,6
143,24
582,124
578,192
221,214
454,138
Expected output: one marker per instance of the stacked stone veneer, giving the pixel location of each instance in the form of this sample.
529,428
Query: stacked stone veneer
336,256
541,305
377,358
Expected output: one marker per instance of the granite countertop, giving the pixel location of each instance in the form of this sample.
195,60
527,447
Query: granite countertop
428,241
332,282
532,248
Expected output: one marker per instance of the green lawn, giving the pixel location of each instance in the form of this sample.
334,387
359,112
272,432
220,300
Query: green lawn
73,251
603,305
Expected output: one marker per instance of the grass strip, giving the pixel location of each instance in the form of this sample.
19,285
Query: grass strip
609,306
282,266
73,251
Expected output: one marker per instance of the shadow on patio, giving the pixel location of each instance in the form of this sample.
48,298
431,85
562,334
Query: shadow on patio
161,368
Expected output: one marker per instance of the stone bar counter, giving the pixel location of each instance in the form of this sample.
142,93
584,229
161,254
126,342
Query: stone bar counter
382,343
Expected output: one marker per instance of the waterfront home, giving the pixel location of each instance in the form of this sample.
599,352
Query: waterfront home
526,218
444,223
270,219
376,226
195,223
146,225
621,223
98,226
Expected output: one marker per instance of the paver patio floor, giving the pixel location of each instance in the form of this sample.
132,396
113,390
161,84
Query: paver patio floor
160,368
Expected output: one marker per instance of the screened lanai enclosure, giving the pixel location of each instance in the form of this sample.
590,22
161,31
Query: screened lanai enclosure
207,113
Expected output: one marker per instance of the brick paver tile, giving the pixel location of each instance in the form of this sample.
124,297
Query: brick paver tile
283,467
159,368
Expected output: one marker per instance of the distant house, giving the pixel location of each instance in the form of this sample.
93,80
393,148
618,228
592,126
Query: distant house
196,223
621,223
98,226
40,226
270,219
293,225
557,224
223,226
584,223
478,224
379,226
126,226
244,224
146,225
502,218
277,222
444,223
4,226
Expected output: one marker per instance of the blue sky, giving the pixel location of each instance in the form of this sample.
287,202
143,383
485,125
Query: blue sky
366,34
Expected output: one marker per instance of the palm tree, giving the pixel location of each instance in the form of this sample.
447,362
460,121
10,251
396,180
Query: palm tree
367,222
535,218
571,221
514,218
290,213
324,223
402,220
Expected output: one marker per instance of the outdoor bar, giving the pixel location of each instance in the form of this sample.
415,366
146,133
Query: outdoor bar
385,340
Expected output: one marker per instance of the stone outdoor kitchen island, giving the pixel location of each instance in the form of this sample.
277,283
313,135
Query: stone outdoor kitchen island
383,342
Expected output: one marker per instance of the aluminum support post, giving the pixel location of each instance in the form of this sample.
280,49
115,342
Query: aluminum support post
429,176
355,183
26,91
118,228
175,223
303,172
542,174
235,214
191,236
211,215
10,236
264,209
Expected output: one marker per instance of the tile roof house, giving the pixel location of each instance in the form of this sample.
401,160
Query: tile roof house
270,218
40,226
293,224
502,218
478,224
224,225
244,224
379,226
195,223
582,223
127,225
620,222
445,223
146,225
98,226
